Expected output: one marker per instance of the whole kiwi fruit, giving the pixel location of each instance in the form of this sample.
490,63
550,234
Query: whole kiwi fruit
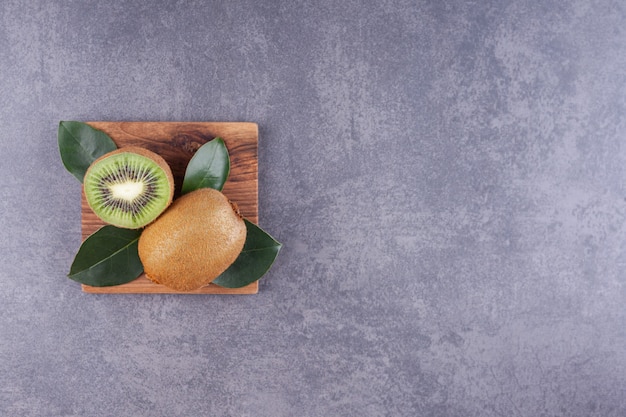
129,187
196,239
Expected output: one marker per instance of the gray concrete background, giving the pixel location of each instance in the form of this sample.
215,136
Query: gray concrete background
447,177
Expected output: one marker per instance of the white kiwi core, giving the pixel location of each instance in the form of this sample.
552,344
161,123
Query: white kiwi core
128,190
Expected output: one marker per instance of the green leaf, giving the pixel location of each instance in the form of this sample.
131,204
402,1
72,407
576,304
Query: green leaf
80,145
258,253
108,257
209,167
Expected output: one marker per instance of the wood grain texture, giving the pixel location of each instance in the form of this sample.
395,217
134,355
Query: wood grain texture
177,142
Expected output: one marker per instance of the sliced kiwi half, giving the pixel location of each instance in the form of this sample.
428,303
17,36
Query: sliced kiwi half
129,187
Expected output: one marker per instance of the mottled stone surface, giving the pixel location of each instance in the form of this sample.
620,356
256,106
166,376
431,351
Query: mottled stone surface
448,179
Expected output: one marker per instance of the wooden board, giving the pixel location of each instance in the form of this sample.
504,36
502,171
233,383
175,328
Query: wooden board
176,142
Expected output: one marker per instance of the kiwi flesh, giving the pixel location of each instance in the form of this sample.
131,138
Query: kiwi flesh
196,239
129,187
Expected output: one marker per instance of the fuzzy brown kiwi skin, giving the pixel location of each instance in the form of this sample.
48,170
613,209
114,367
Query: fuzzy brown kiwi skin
158,159
197,238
